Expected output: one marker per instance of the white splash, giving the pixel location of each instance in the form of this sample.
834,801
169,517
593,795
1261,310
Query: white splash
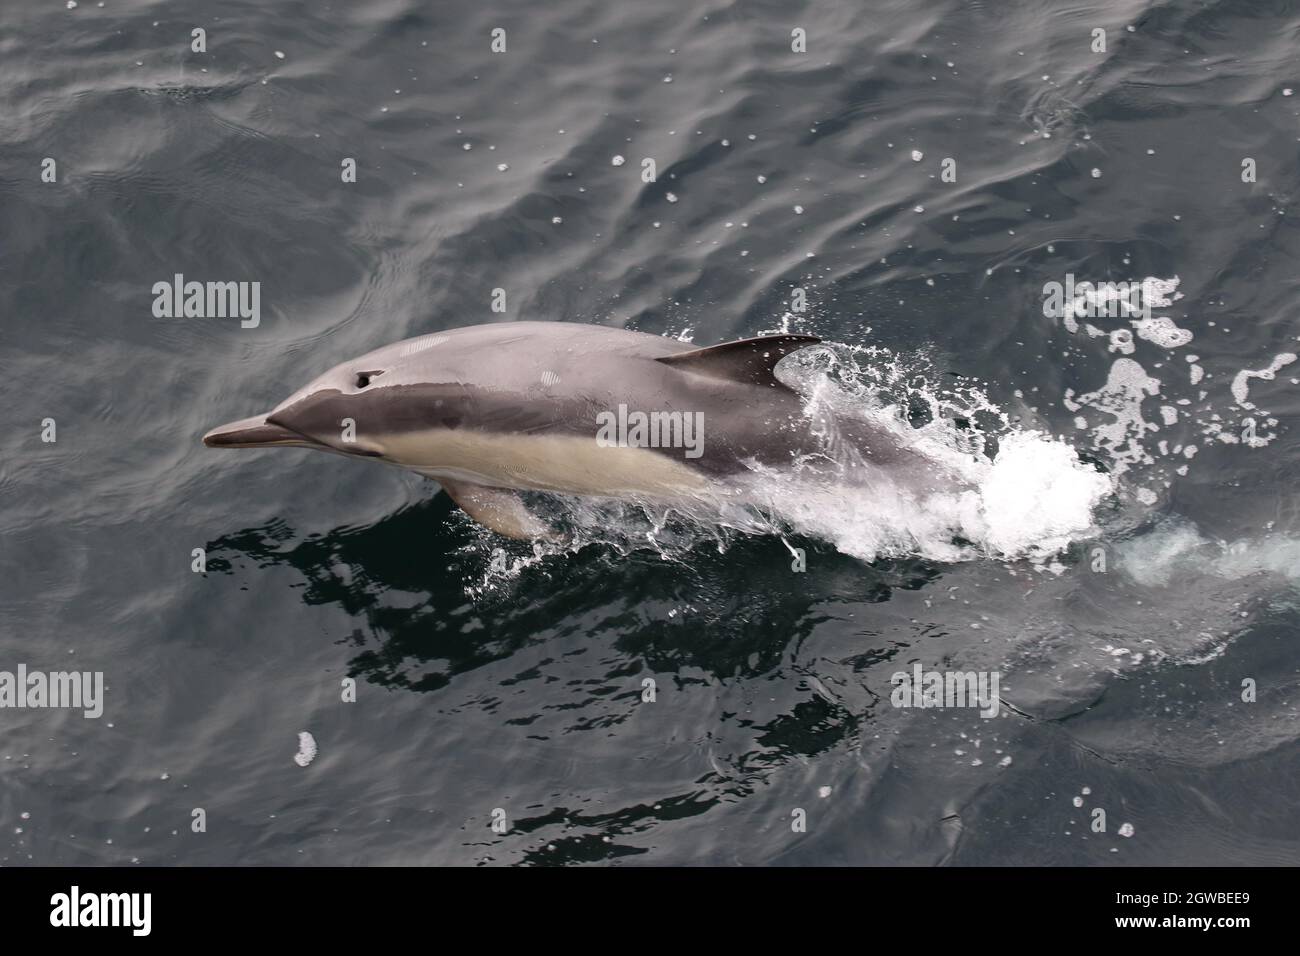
1037,497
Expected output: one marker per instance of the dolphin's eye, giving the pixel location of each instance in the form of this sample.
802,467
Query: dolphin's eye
363,378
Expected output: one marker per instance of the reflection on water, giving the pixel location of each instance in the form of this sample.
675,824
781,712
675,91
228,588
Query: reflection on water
722,636
732,615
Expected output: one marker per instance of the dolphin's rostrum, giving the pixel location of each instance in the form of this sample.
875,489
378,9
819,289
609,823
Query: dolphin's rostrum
492,410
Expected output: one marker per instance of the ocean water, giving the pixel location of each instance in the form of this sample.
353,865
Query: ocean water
1117,537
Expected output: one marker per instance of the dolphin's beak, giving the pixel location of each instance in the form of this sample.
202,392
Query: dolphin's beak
255,432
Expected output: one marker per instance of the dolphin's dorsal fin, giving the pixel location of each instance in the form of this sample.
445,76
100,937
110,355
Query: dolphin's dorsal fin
750,360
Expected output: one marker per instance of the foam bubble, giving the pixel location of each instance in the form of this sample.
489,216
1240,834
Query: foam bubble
1127,386
306,749
1161,331
1241,383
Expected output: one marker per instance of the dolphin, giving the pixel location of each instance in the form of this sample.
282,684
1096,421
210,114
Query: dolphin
490,411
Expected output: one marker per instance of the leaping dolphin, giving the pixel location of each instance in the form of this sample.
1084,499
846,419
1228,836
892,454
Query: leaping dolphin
492,410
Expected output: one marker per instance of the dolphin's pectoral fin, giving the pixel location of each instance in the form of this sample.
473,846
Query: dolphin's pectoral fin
751,361
498,510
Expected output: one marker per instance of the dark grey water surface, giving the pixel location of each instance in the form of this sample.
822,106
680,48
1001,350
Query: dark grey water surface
479,170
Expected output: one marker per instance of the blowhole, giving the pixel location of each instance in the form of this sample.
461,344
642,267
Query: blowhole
363,378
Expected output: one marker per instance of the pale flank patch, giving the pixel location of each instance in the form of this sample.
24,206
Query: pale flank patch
559,463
